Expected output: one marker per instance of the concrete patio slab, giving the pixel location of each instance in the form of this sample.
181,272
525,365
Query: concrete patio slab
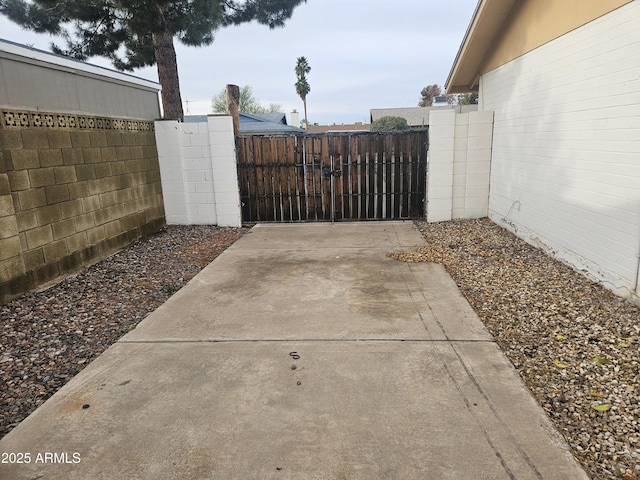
320,294
303,351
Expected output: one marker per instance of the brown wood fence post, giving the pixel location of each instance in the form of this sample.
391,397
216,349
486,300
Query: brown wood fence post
233,103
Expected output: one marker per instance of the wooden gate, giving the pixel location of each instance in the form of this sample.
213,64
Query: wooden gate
335,176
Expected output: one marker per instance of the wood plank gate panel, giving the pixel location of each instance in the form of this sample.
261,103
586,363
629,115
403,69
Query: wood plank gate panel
322,177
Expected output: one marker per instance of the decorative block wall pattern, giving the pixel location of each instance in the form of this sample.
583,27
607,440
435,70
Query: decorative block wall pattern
199,173
72,189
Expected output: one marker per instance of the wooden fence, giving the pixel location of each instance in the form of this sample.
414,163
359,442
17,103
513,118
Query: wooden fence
335,176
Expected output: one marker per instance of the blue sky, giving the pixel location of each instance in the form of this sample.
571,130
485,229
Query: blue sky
363,54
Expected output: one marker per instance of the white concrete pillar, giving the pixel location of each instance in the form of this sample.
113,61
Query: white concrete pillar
224,170
479,145
440,165
168,141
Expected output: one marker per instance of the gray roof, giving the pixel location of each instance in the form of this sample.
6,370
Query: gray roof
267,127
417,116
271,117
253,123
265,123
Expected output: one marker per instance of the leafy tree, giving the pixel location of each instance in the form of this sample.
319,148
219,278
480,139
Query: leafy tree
429,93
302,85
389,123
248,103
138,33
468,99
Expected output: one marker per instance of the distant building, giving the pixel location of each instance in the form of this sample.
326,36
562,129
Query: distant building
440,101
344,127
417,117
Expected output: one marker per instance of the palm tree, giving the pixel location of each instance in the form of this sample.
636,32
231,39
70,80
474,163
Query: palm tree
302,85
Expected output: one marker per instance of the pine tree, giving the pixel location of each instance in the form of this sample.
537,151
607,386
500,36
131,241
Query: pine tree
138,33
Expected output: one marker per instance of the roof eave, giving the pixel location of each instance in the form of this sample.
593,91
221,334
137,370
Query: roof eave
456,63
485,27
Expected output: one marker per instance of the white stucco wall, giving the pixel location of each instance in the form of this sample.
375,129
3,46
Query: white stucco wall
198,171
565,171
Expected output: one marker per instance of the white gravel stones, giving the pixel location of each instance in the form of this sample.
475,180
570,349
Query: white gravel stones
49,336
575,344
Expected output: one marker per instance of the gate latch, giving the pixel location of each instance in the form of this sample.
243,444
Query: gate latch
327,172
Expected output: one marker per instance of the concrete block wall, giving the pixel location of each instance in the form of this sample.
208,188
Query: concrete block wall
73,188
566,170
459,165
198,168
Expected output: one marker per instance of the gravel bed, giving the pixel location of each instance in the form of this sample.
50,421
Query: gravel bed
574,343
51,335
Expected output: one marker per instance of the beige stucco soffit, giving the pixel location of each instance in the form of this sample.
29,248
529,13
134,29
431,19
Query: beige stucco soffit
486,26
502,30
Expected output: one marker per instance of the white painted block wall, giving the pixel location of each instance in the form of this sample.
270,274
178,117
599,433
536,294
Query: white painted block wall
198,171
459,165
224,171
566,153
440,157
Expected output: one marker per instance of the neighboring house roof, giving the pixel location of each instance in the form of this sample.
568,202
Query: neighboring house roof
502,30
251,123
264,117
416,116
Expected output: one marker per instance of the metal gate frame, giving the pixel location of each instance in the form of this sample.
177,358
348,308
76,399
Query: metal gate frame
332,177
